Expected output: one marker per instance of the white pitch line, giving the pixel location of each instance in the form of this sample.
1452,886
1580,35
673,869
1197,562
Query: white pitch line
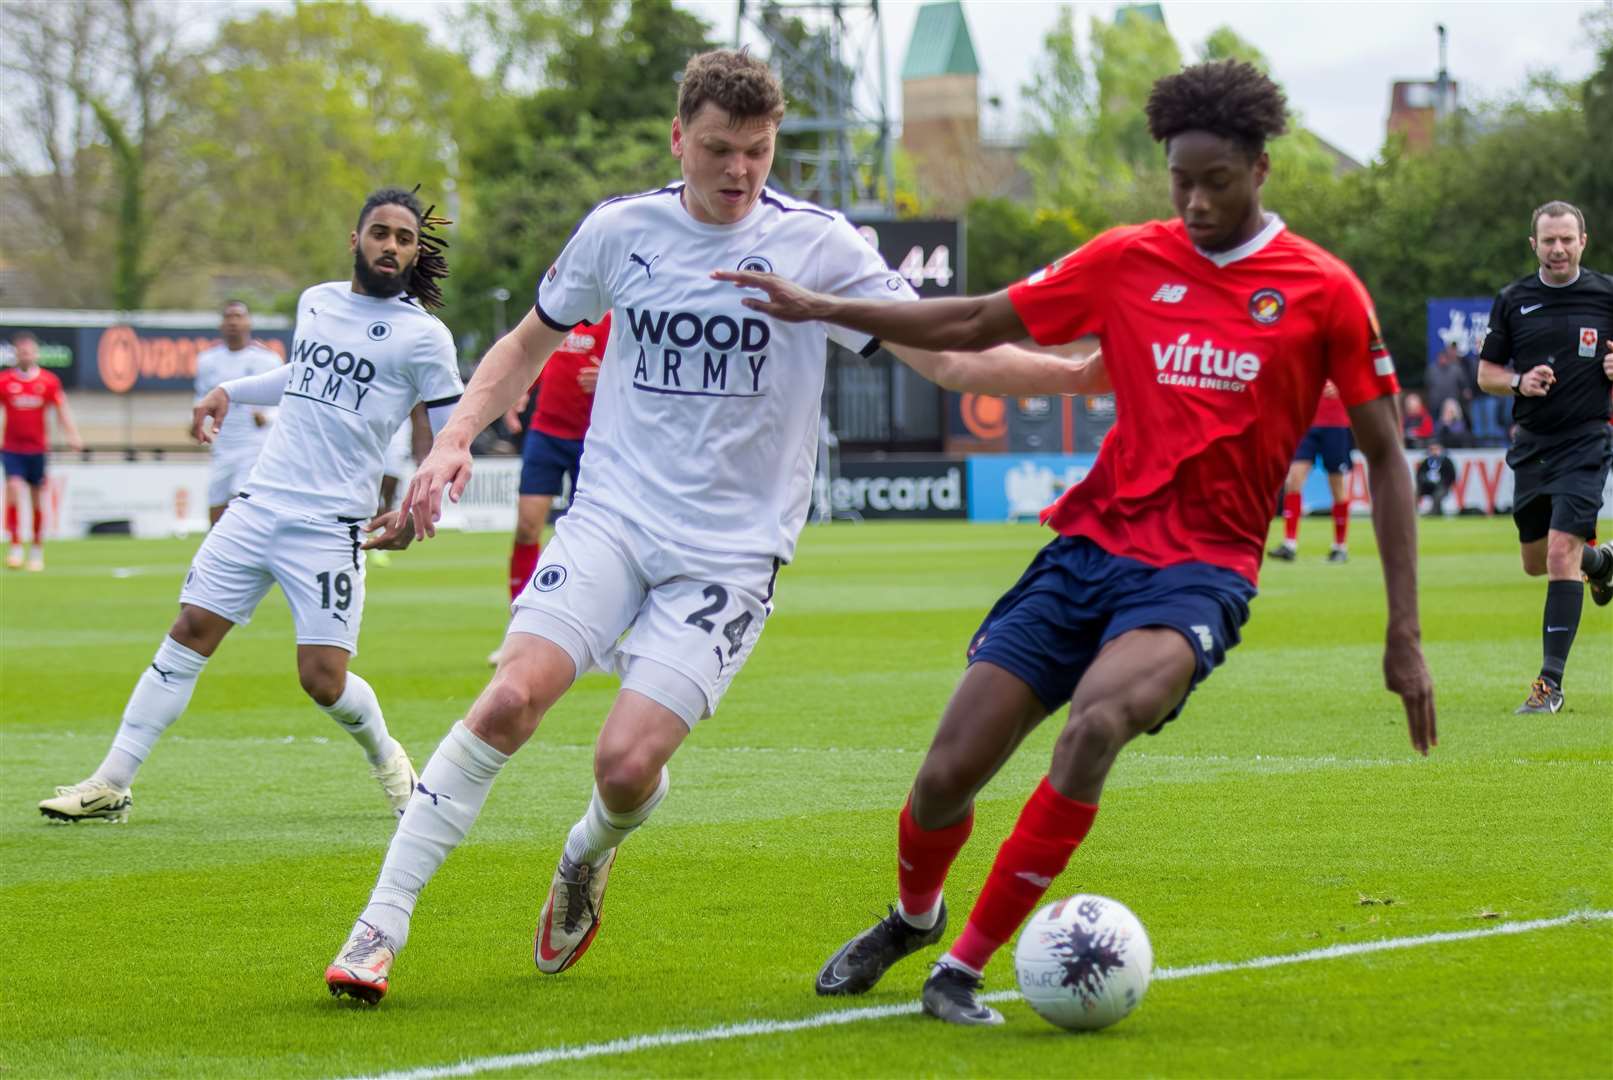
721,1032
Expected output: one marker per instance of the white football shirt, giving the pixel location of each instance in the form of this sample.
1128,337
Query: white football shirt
705,421
358,365
238,436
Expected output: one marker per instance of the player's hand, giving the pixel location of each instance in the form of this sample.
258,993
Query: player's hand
391,531
445,471
1607,361
1537,381
260,419
1405,672
785,299
211,408
588,378
75,444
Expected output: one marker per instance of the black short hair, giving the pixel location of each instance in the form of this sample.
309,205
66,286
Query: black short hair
23,335
232,302
1229,98
431,264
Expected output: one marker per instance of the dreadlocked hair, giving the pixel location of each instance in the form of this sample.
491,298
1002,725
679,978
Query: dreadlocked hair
430,264
1229,98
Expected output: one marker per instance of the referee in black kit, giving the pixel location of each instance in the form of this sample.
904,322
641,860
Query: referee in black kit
1551,345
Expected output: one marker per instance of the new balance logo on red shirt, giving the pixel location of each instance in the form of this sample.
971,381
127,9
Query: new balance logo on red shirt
1170,294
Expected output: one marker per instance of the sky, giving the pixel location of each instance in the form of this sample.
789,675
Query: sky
1336,60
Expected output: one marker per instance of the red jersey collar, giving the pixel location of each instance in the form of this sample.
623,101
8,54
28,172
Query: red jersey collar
1257,243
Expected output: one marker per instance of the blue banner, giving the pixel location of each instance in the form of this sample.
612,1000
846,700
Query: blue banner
1016,487
1462,322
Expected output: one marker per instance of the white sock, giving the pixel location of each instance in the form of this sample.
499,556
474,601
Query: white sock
948,960
159,697
358,710
601,829
453,786
921,920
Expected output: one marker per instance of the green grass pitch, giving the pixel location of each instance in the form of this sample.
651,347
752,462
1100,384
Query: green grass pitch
1284,812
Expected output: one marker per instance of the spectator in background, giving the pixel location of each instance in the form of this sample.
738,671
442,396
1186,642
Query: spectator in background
27,392
1436,475
1447,380
1415,420
1452,429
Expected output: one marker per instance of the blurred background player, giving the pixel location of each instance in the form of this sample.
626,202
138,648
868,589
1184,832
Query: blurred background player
26,391
1147,586
408,445
552,449
1551,346
363,353
239,439
1329,439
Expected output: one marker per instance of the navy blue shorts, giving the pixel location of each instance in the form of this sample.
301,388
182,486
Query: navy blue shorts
1331,444
31,467
1076,597
545,459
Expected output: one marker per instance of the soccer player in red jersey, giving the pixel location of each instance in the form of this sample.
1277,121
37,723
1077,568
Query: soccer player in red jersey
1218,331
26,391
553,446
1328,439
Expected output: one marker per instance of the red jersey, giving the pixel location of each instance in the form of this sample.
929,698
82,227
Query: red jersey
1217,363
24,400
563,405
1331,410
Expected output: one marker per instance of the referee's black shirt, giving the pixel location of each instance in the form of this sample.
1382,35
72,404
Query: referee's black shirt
1566,326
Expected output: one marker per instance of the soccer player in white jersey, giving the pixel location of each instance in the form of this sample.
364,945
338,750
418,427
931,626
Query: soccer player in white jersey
239,439
364,353
695,481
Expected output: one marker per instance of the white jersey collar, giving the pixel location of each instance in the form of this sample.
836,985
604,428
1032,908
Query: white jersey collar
1258,242
1564,285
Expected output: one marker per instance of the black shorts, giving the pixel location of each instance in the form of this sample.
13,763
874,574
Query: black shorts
29,468
1075,598
1557,481
546,460
1331,444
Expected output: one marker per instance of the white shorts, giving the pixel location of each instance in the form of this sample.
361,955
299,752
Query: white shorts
227,476
316,562
605,591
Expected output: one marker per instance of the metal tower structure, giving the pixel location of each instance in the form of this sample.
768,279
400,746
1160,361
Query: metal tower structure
836,141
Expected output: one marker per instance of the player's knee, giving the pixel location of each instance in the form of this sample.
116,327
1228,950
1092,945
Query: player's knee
509,707
944,785
528,532
321,681
625,774
1094,735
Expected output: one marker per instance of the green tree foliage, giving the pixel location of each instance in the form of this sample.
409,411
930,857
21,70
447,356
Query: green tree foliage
598,126
300,113
1008,240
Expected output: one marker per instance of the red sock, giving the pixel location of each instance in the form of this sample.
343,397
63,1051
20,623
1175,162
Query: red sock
923,858
39,527
13,526
523,560
1047,833
1341,521
1292,508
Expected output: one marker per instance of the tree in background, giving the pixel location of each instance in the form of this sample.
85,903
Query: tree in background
298,114
88,146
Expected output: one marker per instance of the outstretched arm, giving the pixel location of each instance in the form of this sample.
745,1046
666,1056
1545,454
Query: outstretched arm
501,378
1011,370
1376,425
967,323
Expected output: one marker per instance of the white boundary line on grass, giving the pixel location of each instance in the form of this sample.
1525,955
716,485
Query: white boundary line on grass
721,1032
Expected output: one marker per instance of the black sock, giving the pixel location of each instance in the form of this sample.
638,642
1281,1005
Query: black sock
1564,599
1593,561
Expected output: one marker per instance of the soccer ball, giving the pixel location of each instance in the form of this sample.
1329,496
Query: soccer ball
1083,962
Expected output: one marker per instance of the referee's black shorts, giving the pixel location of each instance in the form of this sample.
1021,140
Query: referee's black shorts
1558,480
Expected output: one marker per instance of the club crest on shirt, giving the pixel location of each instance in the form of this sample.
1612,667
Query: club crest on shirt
756,264
1266,306
379,331
1587,341
550,578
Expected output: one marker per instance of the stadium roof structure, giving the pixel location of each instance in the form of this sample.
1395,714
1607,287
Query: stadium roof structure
940,44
